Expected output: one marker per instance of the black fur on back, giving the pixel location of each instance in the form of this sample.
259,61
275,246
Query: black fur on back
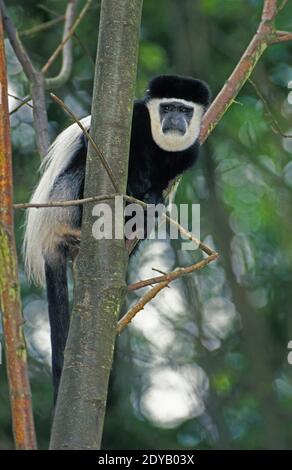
175,86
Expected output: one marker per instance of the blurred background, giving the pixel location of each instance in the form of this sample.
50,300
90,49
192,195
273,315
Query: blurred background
205,366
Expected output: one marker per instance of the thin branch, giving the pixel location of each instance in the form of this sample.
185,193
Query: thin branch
282,5
281,36
242,71
75,35
274,123
159,271
190,236
41,27
73,202
23,101
86,133
179,272
269,10
85,48
47,10
162,282
67,54
130,199
150,294
78,202
67,37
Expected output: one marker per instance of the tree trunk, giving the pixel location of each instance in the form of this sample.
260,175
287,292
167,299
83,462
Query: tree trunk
10,304
101,265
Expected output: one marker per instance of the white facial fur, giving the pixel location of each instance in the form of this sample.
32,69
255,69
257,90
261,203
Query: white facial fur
172,141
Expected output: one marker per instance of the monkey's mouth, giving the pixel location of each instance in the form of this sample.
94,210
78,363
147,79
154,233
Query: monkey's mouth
173,131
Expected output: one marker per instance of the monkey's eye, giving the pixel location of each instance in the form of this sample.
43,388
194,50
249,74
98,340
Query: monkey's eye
182,109
166,107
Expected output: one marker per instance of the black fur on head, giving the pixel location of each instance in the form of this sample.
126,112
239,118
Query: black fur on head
176,86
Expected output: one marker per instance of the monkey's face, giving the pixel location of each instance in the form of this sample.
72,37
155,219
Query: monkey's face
175,123
175,117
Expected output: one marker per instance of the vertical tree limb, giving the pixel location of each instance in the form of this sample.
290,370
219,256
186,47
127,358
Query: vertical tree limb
101,264
40,116
36,80
12,319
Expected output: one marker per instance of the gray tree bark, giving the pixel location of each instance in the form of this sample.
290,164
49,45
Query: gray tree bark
101,265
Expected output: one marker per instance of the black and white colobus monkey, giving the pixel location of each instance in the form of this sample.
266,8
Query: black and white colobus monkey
164,143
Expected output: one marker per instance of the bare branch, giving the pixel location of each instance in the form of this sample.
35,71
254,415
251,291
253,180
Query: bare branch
75,35
150,294
73,202
281,36
242,71
130,199
23,101
159,271
66,38
85,48
41,27
67,56
179,272
47,10
162,282
282,5
190,236
78,202
269,10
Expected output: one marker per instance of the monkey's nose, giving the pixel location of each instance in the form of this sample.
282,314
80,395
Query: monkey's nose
174,124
